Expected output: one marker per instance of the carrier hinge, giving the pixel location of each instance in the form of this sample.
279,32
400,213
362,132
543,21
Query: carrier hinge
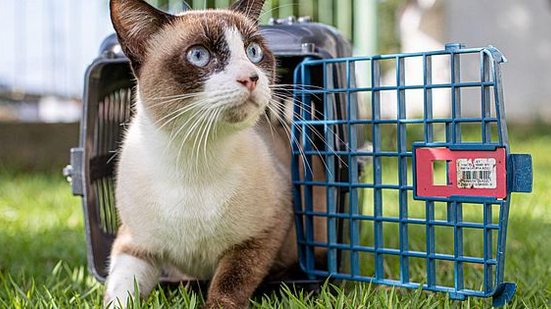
73,171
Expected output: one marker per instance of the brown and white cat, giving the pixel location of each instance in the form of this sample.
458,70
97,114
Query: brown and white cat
203,182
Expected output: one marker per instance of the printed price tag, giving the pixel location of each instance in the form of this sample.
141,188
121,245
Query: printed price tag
476,173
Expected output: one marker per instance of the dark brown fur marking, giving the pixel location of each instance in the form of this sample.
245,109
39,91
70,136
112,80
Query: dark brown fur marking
126,24
240,271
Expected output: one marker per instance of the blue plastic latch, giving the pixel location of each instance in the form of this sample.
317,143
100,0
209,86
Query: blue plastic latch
521,174
504,294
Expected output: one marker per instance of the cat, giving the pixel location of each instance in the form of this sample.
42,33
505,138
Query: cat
203,181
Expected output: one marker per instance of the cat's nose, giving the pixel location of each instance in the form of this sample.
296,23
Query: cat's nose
249,81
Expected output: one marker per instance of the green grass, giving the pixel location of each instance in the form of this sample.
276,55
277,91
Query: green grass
43,258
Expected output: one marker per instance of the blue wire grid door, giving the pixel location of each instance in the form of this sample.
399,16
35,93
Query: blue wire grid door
380,224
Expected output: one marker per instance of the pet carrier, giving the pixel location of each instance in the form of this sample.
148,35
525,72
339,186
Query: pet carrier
427,205
109,87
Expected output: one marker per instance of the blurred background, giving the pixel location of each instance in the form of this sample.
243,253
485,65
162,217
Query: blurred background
47,45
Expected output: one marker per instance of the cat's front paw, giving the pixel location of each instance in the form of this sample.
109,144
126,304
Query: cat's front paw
112,301
222,304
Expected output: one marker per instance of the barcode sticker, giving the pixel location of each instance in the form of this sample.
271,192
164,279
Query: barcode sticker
476,173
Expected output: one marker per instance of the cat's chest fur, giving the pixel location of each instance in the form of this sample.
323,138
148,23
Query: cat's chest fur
191,220
193,224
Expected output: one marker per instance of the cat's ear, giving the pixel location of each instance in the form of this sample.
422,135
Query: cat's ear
135,22
251,8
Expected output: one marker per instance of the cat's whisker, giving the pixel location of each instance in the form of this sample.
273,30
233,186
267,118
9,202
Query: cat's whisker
319,152
192,119
293,97
183,110
197,111
113,156
282,108
293,140
203,141
298,116
191,94
295,86
297,90
196,119
213,121
269,122
169,121
177,113
186,5
299,146
194,152
175,99
171,101
304,109
316,149
193,129
205,135
202,135
305,158
323,139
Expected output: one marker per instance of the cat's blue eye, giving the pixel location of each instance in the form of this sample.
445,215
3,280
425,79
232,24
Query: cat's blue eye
198,56
255,53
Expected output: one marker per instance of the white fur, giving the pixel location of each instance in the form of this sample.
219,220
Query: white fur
183,211
123,270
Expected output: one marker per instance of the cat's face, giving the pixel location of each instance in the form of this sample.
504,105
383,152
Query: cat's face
198,66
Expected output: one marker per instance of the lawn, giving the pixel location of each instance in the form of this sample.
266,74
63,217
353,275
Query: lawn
43,258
